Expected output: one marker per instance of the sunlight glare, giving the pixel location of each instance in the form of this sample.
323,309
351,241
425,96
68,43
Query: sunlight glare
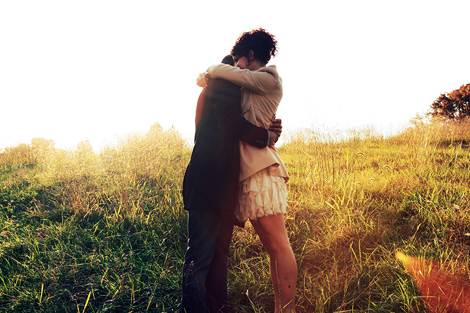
441,291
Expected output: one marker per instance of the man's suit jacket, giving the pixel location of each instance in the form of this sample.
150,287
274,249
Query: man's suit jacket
211,178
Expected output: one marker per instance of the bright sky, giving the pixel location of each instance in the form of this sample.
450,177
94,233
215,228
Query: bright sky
99,69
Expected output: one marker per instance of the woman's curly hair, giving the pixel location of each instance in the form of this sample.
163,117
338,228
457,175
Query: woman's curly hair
263,44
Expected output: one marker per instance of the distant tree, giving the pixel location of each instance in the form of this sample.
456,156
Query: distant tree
17,156
42,144
454,105
26,154
85,146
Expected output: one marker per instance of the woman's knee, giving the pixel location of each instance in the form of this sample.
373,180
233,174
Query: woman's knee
281,248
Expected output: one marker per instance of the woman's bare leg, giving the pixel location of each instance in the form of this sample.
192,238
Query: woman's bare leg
272,233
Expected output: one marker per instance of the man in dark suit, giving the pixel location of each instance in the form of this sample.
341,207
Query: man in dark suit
210,193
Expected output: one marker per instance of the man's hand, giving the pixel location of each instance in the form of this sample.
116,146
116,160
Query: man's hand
273,137
276,127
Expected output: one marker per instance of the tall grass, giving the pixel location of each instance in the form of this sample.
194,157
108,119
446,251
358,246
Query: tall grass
100,232
355,201
105,232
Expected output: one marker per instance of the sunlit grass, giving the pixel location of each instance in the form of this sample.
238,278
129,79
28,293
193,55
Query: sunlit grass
105,231
90,230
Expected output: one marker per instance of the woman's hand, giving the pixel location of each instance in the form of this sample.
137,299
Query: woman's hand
202,80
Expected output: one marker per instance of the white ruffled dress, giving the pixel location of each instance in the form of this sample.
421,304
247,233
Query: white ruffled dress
260,195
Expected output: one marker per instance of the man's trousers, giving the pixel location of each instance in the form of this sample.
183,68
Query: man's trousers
204,287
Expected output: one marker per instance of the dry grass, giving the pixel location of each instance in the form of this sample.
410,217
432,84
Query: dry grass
105,232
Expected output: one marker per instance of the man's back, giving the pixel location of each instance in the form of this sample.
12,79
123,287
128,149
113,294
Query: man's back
211,179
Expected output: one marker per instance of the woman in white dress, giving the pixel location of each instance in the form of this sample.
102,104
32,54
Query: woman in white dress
263,176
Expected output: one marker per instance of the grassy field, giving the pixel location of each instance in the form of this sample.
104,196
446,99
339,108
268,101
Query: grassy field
82,231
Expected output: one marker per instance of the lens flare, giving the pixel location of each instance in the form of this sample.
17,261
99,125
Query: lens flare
441,291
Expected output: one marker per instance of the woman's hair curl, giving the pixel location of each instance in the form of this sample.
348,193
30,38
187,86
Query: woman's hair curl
262,43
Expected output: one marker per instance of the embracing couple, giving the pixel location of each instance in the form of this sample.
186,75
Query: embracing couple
235,175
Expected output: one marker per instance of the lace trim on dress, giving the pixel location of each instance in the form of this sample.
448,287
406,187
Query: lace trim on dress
260,195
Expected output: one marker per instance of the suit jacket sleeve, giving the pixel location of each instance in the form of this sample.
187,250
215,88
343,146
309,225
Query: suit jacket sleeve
226,103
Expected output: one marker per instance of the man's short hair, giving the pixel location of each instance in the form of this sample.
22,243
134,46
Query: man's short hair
228,59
